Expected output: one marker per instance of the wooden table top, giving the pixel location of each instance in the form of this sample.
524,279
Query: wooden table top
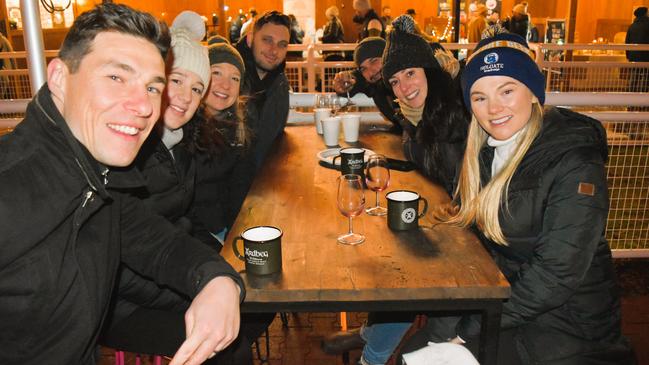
295,193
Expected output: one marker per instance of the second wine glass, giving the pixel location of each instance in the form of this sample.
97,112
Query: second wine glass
377,178
351,201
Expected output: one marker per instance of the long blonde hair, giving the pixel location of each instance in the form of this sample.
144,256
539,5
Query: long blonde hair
481,204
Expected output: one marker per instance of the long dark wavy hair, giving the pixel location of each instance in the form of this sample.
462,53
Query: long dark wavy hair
445,120
214,134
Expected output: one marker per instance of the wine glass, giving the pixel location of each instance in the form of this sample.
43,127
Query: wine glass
351,201
377,178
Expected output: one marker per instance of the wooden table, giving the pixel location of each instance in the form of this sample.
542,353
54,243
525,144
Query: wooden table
437,267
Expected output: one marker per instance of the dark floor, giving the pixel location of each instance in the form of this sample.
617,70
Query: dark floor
299,343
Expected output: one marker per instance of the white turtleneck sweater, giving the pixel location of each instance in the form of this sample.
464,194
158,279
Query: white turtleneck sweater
503,151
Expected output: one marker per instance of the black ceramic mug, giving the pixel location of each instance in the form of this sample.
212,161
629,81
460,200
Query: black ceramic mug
403,209
352,161
262,247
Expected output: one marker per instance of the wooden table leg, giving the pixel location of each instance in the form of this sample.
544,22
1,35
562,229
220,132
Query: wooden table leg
489,333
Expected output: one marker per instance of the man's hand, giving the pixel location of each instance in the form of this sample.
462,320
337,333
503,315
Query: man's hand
343,82
211,322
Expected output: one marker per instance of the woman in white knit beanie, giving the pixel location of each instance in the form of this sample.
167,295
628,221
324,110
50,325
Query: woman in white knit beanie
146,318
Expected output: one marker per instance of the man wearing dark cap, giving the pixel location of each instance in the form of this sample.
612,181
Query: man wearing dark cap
638,32
366,79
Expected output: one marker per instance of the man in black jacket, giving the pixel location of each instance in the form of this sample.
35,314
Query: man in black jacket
367,79
67,216
264,52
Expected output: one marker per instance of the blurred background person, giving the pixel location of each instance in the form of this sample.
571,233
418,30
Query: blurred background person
477,24
296,37
370,23
333,33
235,27
519,21
638,33
386,14
252,14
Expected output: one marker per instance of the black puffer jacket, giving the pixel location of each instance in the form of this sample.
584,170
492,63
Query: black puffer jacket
223,178
564,297
66,222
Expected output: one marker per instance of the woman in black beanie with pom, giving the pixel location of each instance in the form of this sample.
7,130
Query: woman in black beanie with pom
433,118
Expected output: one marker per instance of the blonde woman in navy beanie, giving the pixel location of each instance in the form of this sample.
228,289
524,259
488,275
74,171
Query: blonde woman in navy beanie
533,185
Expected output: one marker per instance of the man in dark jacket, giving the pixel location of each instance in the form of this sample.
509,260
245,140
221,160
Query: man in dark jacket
638,32
264,53
67,216
367,78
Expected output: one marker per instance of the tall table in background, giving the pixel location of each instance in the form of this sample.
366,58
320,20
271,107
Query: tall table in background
437,267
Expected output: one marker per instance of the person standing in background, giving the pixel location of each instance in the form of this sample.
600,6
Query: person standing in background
386,14
478,24
638,33
519,22
333,33
252,14
371,24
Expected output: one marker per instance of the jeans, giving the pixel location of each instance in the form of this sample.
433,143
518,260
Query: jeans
380,341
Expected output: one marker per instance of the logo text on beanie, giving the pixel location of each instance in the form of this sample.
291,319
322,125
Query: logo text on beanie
491,63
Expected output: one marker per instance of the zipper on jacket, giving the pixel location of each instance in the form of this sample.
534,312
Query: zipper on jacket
87,198
104,174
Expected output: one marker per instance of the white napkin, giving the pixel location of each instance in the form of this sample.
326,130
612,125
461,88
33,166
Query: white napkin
445,353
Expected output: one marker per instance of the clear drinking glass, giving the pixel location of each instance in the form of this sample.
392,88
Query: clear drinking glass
322,101
377,178
351,201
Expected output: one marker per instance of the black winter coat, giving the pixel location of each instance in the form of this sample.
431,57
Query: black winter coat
222,182
66,222
564,298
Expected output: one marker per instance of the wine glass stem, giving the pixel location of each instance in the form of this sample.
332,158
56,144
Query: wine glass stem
377,198
350,225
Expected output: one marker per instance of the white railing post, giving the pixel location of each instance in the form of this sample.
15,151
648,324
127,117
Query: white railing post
310,68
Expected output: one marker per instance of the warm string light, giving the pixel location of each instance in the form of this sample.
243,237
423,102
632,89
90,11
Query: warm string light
448,28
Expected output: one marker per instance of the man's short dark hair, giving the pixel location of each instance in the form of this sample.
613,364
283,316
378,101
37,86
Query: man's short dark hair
110,17
274,17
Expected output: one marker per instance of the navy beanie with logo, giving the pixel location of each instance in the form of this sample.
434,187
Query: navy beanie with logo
503,54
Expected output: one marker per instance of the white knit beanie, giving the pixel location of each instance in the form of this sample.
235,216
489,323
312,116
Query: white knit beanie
190,55
192,21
